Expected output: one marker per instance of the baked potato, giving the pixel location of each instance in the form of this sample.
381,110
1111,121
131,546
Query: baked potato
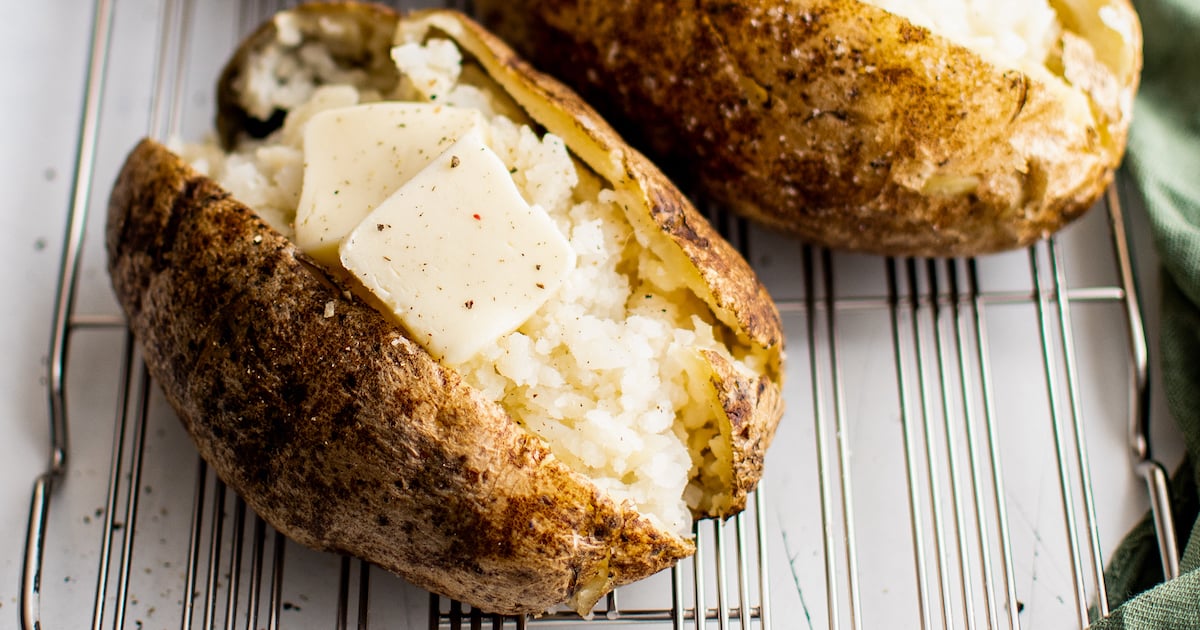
960,129
657,359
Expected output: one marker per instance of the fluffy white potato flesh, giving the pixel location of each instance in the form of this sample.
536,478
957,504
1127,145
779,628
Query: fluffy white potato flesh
1012,33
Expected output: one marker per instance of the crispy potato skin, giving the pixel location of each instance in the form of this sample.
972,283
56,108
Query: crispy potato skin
842,123
347,436
339,431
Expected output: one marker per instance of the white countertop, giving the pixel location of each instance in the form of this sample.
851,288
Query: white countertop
43,53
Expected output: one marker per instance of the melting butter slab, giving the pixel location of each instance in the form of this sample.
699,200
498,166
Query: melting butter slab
458,254
355,157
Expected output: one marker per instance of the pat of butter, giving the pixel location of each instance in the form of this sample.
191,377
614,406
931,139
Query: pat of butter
457,254
355,157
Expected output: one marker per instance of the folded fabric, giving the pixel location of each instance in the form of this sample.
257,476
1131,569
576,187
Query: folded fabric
1164,160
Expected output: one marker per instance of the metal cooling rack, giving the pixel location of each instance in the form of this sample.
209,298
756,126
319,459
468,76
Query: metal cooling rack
892,484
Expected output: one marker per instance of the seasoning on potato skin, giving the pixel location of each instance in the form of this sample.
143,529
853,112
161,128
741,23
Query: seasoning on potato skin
845,124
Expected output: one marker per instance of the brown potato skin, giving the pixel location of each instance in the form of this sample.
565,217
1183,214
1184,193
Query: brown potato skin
345,435
825,118
340,432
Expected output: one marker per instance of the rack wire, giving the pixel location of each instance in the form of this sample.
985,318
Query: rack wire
890,483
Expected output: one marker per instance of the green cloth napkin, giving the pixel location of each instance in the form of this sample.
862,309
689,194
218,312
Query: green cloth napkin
1164,159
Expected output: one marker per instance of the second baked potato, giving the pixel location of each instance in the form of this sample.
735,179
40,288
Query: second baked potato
903,127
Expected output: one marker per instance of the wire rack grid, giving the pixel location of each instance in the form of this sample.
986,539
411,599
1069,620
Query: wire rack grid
920,393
